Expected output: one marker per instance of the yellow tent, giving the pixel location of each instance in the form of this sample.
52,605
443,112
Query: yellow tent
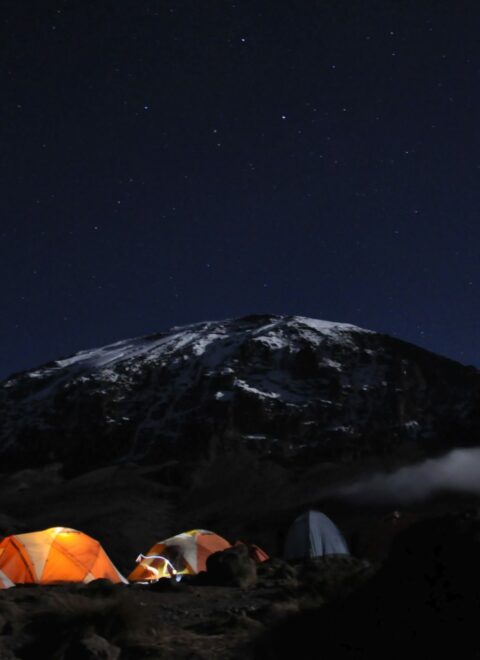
58,554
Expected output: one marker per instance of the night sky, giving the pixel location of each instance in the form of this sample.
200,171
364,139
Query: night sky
168,162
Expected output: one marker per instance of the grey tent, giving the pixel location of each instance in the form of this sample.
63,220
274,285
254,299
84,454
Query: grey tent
313,535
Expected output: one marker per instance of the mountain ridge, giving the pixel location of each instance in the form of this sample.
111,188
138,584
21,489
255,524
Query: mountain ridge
282,385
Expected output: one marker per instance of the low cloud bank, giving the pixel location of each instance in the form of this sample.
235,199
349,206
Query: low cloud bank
457,471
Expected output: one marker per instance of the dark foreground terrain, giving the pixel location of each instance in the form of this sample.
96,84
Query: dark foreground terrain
193,619
423,598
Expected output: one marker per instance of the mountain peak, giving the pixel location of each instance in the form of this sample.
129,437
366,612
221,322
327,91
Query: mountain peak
199,338
287,383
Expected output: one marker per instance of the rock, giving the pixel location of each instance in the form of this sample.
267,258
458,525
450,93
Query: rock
169,585
101,587
277,570
277,611
232,567
92,647
436,561
333,577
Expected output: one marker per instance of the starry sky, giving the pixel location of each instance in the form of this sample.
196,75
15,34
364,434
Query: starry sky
164,162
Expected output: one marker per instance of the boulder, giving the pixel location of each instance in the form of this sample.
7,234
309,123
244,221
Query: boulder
93,647
232,567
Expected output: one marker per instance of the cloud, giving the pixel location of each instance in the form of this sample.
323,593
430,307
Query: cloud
457,471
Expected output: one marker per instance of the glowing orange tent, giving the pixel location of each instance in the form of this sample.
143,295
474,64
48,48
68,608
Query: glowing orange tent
58,554
179,555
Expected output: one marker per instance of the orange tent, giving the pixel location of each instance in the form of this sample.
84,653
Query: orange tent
54,555
179,555
255,552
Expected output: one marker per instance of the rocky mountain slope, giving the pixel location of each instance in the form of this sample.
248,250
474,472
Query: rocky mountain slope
284,386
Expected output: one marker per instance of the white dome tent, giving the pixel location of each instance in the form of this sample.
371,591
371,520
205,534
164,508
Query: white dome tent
313,534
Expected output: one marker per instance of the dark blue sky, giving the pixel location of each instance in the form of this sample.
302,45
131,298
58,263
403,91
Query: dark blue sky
163,163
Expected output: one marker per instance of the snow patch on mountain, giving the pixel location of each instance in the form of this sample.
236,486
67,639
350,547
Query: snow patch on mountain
211,341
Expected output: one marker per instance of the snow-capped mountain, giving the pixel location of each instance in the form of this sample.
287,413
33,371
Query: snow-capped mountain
283,385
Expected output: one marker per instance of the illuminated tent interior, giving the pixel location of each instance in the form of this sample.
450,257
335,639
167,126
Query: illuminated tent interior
58,554
179,555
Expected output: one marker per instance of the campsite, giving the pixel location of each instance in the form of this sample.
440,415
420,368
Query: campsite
238,607
193,593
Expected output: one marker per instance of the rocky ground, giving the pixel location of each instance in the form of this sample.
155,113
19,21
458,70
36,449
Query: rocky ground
196,618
